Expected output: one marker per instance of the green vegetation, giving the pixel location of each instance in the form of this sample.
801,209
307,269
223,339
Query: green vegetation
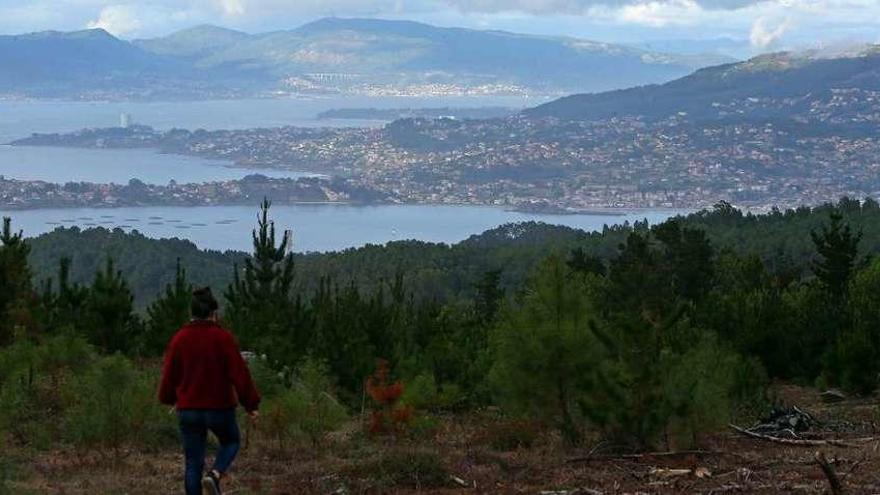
301,407
642,336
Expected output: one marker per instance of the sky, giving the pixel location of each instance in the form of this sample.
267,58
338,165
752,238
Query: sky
757,26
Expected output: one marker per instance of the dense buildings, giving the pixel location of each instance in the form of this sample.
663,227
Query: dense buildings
19,194
553,164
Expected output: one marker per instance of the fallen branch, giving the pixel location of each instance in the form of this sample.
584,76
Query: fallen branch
649,455
576,491
790,441
699,472
830,473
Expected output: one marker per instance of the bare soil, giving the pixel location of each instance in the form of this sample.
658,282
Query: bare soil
456,457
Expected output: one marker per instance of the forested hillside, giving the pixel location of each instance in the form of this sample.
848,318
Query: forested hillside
527,338
430,270
148,264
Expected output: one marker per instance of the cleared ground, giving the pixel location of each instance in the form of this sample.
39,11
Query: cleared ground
464,454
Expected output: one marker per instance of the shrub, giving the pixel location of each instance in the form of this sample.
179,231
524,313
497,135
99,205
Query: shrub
412,468
279,416
638,377
669,381
152,424
423,394
105,413
5,474
270,381
704,387
18,377
60,389
545,353
34,386
305,411
389,415
858,347
506,435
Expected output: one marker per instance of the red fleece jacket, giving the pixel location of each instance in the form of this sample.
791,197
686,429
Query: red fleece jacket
204,370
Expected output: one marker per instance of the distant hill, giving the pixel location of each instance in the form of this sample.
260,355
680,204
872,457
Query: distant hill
56,62
338,52
768,86
739,49
196,42
95,63
149,264
365,56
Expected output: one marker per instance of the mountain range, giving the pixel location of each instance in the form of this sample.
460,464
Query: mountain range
785,84
328,55
781,129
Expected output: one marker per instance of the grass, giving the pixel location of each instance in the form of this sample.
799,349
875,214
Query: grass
462,447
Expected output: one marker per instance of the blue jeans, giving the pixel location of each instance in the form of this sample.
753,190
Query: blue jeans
194,427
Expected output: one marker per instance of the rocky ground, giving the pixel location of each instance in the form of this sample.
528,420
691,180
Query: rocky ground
458,455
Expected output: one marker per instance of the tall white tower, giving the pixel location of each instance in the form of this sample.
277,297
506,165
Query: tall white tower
124,120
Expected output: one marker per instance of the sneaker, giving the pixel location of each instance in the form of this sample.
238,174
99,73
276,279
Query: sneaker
211,484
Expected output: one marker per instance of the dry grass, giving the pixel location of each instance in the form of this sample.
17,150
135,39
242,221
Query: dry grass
353,464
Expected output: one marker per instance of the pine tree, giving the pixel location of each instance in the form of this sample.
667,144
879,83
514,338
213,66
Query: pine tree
15,283
640,279
110,311
261,307
545,352
489,296
167,313
858,345
689,255
340,335
580,262
65,308
838,248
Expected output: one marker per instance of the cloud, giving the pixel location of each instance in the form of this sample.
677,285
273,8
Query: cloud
232,7
608,20
660,14
581,7
765,34
257,8
119,20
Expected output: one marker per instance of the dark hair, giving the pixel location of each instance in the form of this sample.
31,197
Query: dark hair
203,303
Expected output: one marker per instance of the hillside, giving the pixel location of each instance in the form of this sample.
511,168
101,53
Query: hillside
656,354
332,55
774,85
54,61
434,270
439,271
194,42
338,54
94,63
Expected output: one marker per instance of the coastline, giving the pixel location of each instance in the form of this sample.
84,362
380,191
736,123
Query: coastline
319,226
281,173
611,212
